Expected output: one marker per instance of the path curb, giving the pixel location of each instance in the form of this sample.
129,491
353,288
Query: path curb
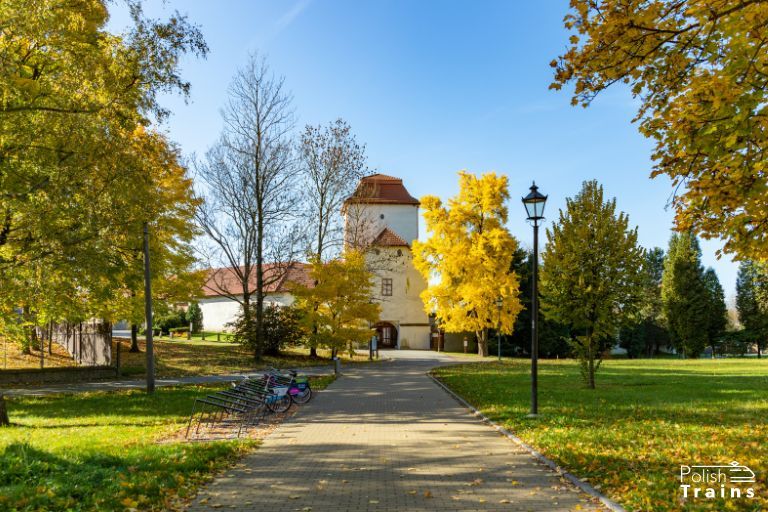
612,505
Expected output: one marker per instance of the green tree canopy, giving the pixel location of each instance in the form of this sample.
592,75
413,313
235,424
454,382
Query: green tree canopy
591,278
80,168
646,332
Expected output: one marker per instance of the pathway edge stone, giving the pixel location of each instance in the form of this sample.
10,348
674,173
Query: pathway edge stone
585,487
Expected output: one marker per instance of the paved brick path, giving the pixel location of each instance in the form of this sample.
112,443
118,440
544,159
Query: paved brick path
386,438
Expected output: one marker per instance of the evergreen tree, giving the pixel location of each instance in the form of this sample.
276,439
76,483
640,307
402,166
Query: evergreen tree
591,276
752,313
717,311
684,295
552,335
195,317
646,333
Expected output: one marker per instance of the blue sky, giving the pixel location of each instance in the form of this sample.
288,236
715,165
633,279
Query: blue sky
432,88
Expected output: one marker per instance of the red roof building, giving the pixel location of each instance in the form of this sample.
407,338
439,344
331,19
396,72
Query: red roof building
388,238
381,189
277,277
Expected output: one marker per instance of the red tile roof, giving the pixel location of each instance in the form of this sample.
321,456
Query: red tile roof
225,281
388,238
381,189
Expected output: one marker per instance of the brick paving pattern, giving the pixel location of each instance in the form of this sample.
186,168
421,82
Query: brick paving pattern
386,438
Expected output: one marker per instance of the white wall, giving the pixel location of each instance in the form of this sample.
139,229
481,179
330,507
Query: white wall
219,311
403,219
404,309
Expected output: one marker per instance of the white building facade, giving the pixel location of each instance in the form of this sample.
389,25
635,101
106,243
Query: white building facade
382,219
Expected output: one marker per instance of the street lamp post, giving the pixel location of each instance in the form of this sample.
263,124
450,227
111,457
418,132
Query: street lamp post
534,204
499,305
148,313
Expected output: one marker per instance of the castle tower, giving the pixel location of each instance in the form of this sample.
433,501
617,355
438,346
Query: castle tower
382,219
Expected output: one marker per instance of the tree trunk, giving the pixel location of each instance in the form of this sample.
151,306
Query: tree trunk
247,316
590,365
4,421
259,327
134,339
313,352
482,343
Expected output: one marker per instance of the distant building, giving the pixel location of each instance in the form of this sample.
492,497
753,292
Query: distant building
382,219
222,287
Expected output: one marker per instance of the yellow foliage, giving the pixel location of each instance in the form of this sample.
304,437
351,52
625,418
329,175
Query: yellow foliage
466,259
697,68
337,310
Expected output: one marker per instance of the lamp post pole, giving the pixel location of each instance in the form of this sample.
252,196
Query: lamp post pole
148,313
534,204
535,323
499,305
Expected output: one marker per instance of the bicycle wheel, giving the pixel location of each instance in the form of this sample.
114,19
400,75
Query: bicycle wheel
282,404
303,397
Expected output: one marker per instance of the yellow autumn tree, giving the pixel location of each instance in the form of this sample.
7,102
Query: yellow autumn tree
337,310
467,259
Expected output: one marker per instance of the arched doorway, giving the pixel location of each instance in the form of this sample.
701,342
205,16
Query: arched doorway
386,334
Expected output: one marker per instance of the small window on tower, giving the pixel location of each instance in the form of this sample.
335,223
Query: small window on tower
381,216
386,287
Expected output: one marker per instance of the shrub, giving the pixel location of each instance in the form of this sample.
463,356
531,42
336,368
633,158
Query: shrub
173,319
281,328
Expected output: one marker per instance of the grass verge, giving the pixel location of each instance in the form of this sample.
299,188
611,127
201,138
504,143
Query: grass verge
179,358
98,451
630,436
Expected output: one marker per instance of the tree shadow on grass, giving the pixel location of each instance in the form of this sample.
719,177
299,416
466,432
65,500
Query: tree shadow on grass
35,479
172,404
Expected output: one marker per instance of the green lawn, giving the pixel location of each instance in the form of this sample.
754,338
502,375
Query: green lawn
99,451
647,417
180,358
